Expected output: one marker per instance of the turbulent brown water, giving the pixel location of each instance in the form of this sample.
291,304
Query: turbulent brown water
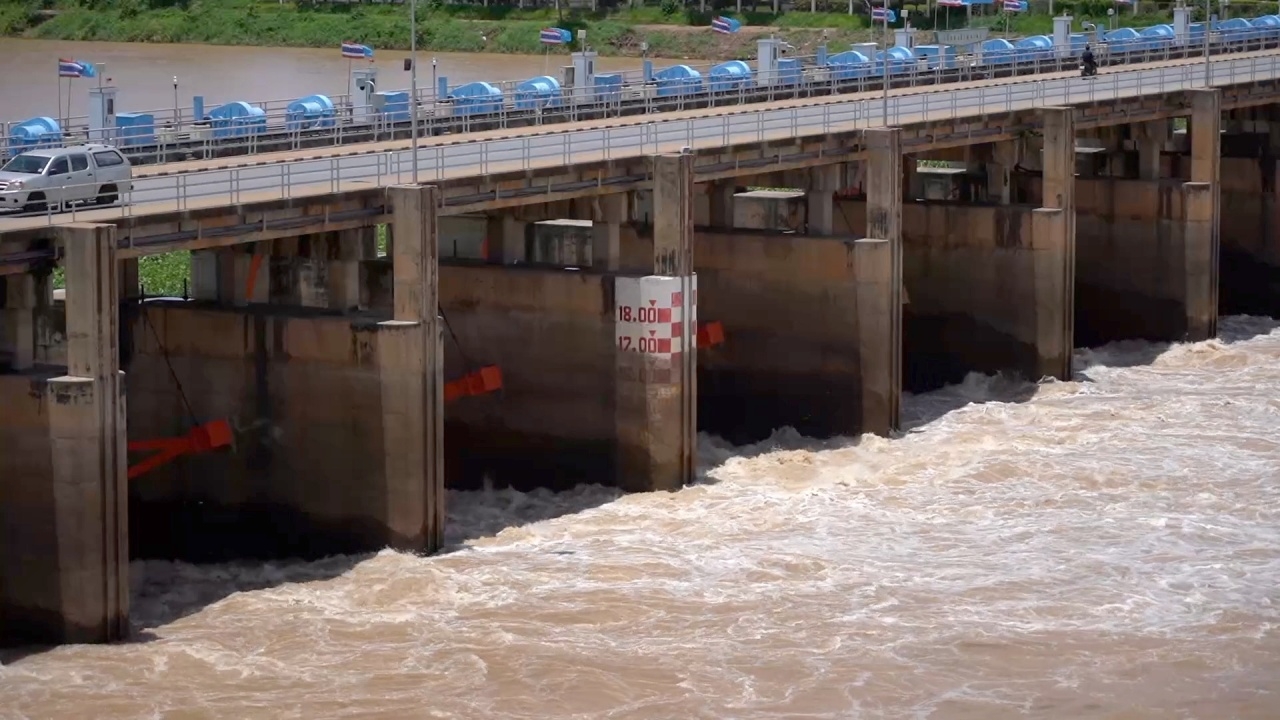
1102,548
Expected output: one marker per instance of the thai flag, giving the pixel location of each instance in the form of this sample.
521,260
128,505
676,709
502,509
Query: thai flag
356,51
70,68
724,25
950,3
883,14
553,36
1015,5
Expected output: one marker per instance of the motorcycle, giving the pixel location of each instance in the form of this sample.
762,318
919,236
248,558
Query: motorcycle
1088,70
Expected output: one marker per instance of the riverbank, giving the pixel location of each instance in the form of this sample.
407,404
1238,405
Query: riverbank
385,27
667,32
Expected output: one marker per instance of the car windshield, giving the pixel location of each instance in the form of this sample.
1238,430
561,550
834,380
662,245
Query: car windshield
29,164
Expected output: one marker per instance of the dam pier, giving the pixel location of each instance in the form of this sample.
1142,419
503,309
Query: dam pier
578,315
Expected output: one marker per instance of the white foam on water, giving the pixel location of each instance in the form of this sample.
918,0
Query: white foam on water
1104,547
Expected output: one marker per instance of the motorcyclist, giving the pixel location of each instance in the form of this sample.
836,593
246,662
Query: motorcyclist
1088,61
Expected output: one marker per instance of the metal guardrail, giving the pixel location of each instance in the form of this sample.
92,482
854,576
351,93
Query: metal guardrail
298,179
437,116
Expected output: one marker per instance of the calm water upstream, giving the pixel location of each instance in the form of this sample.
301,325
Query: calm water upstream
1109,548
144,73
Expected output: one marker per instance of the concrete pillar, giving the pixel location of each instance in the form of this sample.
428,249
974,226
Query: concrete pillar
721,197
410,362
506,240
1150,139
606,232
310,270
130,282
1053,244
878,261
655,331
213,274
1004,156
20,319
222,275
1273,129
87,439
348,250
824,182
1201,208
321,270
912,185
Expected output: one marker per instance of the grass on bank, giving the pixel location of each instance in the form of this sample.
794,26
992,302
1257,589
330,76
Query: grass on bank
167,275
671,29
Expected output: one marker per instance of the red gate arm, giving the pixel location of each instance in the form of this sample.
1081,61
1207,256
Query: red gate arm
201,439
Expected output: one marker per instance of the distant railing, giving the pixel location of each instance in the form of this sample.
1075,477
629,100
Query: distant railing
474,159
440,115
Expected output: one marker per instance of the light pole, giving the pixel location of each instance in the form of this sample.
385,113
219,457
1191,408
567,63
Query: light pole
1207,27
885,63
413,84
177,114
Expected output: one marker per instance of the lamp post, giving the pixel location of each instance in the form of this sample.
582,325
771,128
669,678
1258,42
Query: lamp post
1207,28
413,84
885,63
177,114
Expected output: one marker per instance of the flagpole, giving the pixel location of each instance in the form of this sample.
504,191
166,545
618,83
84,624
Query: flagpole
886,64
62,128
413,82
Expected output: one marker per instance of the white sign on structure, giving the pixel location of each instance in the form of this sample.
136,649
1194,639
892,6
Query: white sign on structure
649,314
960,38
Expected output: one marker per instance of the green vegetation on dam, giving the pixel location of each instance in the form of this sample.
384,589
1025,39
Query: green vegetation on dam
671,29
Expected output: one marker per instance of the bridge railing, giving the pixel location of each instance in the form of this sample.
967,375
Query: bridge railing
476,159
436,117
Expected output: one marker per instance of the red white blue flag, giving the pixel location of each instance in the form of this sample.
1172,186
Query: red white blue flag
356,51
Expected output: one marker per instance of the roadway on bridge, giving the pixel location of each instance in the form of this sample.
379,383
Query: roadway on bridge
728,108
567,145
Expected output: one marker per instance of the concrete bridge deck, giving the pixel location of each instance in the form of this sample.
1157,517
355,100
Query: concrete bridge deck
530,164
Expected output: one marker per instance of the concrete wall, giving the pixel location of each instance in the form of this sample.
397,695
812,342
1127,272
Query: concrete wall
552,334
788,303
1131,264
29,578
1250,263
970,272
308,481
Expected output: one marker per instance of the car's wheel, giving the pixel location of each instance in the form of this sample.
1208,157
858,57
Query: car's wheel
108,194
35,203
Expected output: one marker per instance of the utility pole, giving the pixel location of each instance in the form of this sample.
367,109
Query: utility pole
413,84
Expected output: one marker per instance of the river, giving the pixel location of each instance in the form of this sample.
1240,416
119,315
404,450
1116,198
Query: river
144,73
1102,548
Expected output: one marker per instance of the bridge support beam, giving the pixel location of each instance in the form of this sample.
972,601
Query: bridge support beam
606,232
1201,219
879,301
63,502
20,308
824,182
656,364
1053,251
720,196
1150,138
410,363
505,240
1002,157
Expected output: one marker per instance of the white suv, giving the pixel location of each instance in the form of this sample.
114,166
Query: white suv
56,177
